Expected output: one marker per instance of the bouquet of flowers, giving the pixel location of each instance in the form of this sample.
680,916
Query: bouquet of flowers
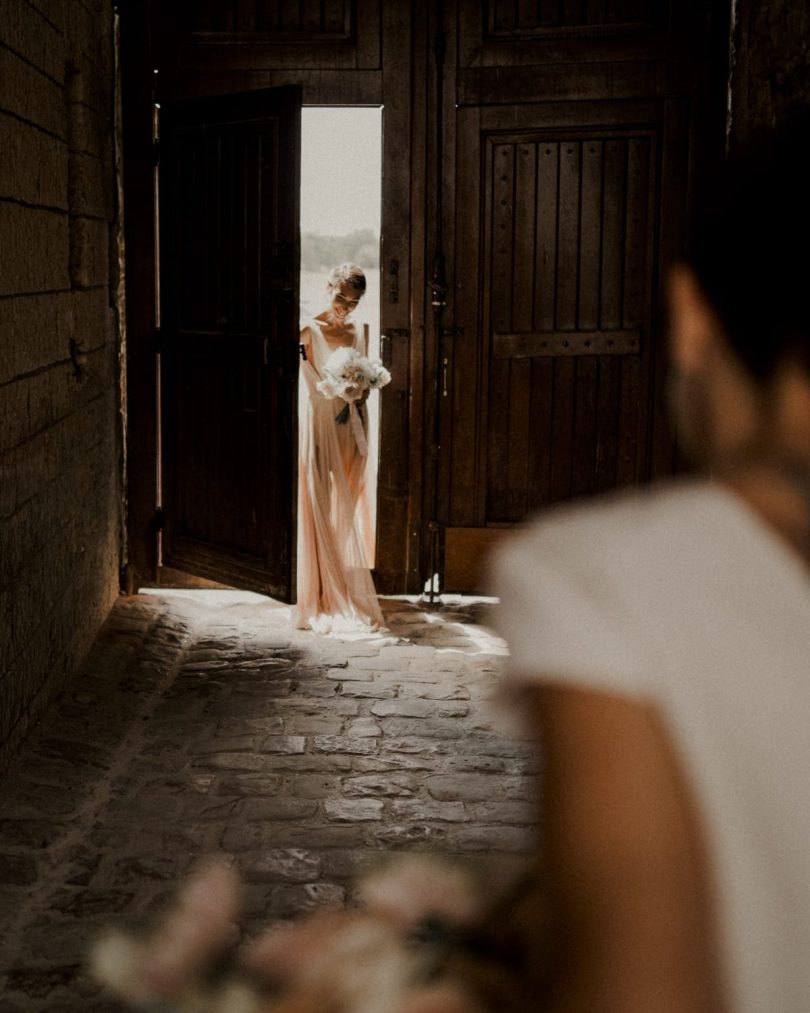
349,375
419,939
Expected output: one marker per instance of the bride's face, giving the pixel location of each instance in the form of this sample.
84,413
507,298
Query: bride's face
345,299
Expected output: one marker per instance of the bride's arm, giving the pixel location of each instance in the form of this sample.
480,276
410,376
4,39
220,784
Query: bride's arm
632,921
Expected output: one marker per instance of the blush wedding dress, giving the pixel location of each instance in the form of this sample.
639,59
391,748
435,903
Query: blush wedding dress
335,591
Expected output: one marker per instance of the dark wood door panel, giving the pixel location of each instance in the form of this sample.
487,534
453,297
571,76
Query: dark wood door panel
260,35
502,33
543,17
559,342
229,265
293,18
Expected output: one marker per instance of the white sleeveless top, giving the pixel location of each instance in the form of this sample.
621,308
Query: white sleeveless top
682,598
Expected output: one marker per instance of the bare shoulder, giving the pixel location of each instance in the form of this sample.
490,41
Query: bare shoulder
624,852
612,765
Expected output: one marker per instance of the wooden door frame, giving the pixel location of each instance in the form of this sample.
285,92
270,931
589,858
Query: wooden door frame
140,377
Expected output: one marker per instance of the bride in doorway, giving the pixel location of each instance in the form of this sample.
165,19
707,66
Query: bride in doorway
335,537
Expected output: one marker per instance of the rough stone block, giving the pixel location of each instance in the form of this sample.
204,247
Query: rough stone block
80,903
315,786
283,744
249,784
495,745
33,165
366,690
490,764
40,982
217,743
90,189
512,814
288,901
435,727
381,786
412,835
24,30
492,839
288,865
366,728
238,837
418,810
389,663
89,264
429,691
89,131
387,762
356,675
235,762
36,247
419,709
53,10
17,870
311,724
419,745
258,810
353,810
338,864
336,706
478,787
343,744
29,94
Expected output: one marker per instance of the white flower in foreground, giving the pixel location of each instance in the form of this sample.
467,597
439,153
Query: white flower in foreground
338,960
201,924
169,961
415,888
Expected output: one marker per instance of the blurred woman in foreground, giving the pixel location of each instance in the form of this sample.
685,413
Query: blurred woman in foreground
663,640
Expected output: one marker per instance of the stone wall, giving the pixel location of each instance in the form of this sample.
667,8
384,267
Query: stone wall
771,62
60,471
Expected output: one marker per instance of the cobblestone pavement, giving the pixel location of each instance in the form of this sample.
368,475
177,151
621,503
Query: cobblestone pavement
202,723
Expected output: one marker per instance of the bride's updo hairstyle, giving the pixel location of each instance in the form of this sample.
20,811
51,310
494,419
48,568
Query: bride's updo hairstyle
351,274
750,248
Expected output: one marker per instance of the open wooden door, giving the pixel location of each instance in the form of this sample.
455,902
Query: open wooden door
229,259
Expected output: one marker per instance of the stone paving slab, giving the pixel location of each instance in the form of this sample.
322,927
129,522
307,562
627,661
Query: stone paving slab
203,723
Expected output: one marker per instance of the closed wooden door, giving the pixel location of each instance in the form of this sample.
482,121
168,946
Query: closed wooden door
573,136
229,199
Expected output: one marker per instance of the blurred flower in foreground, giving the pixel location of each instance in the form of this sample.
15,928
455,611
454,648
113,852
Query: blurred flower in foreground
388,955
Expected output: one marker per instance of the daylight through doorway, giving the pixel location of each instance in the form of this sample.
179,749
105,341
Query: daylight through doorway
341,198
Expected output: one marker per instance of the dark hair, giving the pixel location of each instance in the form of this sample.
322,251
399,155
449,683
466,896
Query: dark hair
750,246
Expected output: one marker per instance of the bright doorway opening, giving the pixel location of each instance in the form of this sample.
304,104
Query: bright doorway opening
341,200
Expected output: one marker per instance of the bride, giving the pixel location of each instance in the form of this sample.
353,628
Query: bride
335,540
